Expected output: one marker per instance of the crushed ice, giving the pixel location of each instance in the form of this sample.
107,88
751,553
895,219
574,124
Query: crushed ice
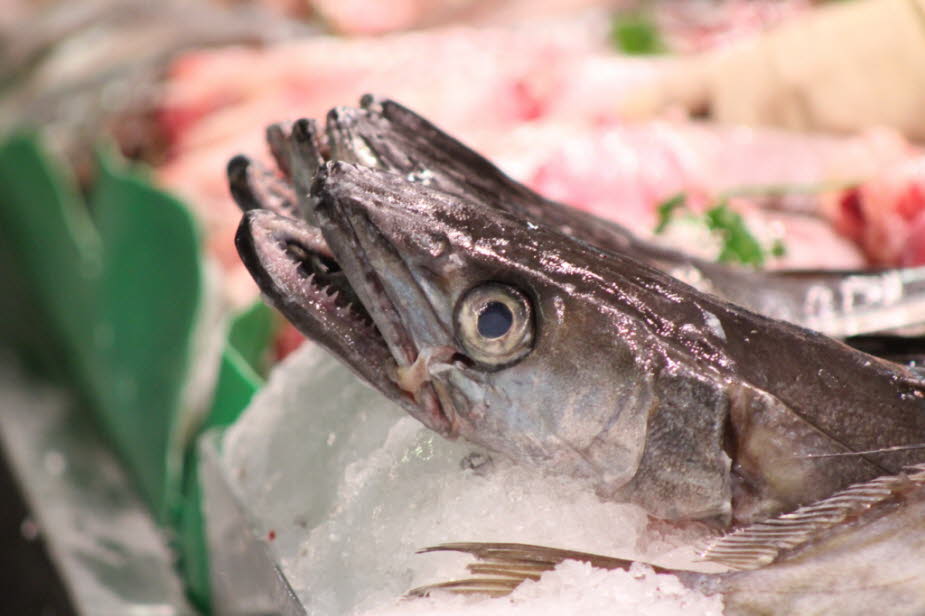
350,488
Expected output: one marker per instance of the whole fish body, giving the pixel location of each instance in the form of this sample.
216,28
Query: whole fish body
540,346
383,134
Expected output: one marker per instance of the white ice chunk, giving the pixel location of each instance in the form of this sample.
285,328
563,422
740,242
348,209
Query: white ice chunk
346,488
573,588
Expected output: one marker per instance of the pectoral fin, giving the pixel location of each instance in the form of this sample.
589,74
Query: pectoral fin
501,567
854,552
762,543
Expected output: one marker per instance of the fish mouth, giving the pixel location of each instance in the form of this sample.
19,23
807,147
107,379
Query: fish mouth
331,277
294,270
420,342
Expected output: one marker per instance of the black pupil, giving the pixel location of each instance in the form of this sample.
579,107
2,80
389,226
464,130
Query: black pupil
495,320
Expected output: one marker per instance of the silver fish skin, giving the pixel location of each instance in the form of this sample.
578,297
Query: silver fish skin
383,134
523,340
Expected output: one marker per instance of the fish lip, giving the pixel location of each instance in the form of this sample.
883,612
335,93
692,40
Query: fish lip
259,241
342,222
301,160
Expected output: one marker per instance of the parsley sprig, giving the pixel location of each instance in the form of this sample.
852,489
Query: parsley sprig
737,243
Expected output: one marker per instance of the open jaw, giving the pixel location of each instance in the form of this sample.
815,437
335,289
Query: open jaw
340,303
320,276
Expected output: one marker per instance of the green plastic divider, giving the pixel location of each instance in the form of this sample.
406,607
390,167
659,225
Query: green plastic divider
108,305
251,334
110,301
149,298
237,383
50,266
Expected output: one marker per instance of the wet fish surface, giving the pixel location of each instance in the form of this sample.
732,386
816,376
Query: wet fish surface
500,328
609,369
385,135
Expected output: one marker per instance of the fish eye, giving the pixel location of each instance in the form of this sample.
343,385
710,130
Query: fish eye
494,324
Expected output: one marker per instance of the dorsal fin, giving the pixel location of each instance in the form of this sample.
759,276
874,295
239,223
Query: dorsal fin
760,544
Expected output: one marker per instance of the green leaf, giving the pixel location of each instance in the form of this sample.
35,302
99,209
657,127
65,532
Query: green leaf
636,34
666,211
739,245
778,248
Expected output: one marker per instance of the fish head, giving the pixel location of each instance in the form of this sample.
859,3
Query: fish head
381,133
485,325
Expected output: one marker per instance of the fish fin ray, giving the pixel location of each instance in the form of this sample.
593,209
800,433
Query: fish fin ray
762,543
502,567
